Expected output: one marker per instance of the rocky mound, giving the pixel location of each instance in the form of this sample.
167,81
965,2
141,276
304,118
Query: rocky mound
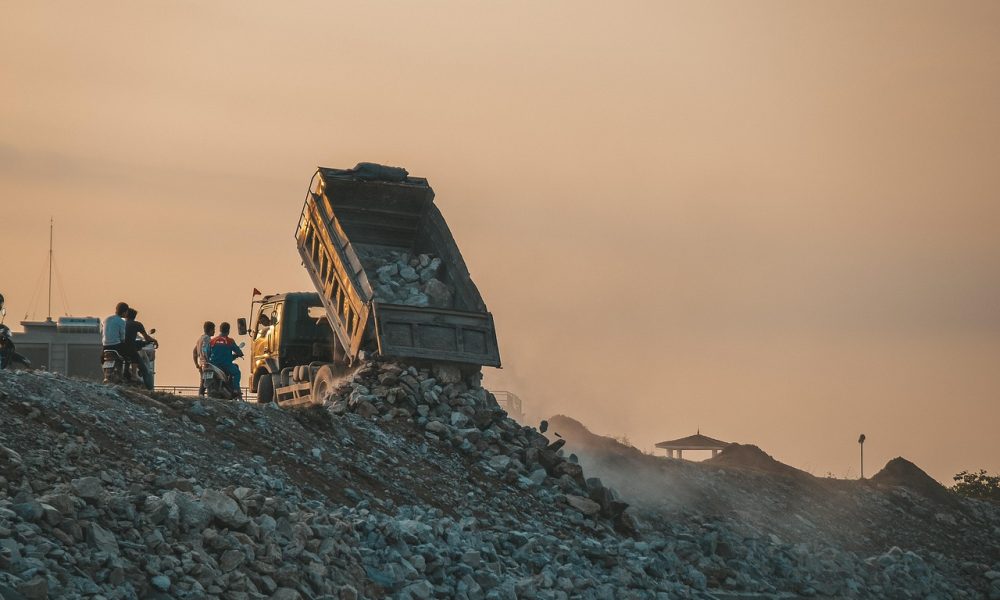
409,483
748,456
901,472
745,496
583,439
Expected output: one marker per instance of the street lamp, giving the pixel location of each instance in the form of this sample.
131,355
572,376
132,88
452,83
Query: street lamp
861,442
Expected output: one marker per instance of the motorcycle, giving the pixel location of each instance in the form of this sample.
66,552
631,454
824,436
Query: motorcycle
219,383
119,371
9,358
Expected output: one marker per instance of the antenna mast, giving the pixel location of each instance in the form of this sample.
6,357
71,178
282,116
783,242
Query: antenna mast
49,318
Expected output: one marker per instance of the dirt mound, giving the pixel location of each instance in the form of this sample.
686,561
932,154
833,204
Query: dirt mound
748,456
901,472
584,439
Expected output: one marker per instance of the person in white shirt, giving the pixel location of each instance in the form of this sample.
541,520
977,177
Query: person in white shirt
201,349
113,329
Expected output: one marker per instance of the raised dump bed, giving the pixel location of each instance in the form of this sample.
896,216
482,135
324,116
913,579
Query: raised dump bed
388,271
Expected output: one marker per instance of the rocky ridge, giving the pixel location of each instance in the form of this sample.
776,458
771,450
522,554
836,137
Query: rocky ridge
408,483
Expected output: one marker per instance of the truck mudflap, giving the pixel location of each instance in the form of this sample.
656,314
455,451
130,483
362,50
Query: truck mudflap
436,334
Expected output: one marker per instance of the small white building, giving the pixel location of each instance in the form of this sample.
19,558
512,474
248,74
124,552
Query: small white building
71,346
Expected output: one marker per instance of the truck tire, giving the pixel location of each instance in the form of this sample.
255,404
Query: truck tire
265,389
322,385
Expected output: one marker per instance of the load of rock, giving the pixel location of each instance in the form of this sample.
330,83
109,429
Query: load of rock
398,278
409,483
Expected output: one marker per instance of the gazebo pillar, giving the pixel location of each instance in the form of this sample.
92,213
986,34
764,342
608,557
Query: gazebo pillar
714,452
680,454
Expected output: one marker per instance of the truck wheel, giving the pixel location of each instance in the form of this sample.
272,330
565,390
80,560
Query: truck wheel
265,388
322,385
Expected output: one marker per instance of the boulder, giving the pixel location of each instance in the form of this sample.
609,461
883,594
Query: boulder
224,509
584,505
88,488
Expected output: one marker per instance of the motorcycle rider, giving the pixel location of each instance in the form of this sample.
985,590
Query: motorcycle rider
133,330
113,329
200,354
222,351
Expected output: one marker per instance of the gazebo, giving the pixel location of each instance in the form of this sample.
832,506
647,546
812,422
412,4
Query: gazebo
692,442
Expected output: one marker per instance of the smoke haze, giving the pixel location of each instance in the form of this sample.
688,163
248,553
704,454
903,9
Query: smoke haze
774,221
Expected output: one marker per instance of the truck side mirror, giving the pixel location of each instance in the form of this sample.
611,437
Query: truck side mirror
241,326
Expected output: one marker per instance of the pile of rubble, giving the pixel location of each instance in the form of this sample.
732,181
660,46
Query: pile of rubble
458,411
398,278
409,483
898,535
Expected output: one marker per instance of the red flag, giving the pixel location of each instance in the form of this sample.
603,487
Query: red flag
256,292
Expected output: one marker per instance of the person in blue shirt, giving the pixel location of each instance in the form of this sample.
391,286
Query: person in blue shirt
221,352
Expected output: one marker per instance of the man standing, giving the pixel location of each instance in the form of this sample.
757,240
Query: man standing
223,350
200,354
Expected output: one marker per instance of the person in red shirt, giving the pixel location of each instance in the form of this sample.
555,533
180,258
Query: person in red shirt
222,351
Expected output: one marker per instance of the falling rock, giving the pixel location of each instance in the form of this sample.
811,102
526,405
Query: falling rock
584,505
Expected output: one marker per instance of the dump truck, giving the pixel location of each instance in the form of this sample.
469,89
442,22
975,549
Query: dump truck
390,283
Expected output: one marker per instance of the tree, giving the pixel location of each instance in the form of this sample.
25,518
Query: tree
977,485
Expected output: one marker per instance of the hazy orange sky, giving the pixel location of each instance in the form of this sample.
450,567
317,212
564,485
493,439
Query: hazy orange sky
777,221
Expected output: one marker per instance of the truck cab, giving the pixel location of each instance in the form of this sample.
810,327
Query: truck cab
283,335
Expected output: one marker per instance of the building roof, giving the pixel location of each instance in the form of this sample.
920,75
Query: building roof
693,442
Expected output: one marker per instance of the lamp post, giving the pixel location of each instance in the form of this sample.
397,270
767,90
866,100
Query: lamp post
861,442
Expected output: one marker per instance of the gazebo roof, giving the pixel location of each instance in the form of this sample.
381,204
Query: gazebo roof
694,442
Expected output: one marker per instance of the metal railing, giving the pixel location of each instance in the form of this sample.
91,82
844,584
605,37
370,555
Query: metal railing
510,402
192,390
